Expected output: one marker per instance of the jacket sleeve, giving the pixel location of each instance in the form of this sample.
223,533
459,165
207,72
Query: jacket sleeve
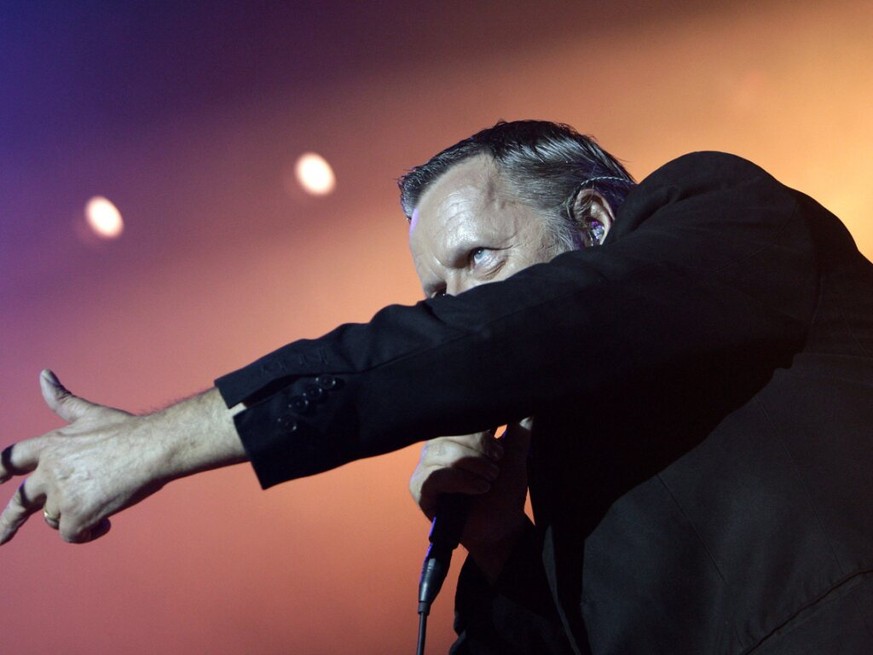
709,269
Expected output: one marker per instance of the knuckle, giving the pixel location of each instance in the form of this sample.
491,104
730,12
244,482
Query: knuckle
13,505
75,534
13,520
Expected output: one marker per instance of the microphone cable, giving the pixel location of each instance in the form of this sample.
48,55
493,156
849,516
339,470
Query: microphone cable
445,535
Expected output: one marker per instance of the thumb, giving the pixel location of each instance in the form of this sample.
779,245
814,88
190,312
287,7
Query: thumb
516,439
519,433
59,399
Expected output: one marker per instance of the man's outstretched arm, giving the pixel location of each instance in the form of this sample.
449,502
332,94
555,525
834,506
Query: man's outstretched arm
105,459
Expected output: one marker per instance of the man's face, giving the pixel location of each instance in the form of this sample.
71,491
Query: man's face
468,230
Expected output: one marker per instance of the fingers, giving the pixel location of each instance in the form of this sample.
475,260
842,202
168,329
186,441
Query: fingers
52,518
525,424
28,500
516,438
17,459
22,458
23,503
51,514
476,454
444,450
457,481
78,534
45,488
59,399
485,443
463,464
428,488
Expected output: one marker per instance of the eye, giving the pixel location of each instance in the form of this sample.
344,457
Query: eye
478,256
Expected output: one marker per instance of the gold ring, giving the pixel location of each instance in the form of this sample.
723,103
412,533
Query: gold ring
53,521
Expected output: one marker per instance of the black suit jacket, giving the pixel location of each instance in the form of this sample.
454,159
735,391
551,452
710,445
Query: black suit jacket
701,385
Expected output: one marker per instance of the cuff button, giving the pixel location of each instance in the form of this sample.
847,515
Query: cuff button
314,393
287,423
327,382
299,404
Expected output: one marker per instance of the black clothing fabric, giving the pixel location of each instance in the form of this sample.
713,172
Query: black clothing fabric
700,470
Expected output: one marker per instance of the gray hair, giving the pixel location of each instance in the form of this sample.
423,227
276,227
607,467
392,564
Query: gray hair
545,165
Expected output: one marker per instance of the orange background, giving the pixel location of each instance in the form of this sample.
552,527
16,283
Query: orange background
189,118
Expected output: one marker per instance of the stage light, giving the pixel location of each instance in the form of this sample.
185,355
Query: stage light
314,174
103,218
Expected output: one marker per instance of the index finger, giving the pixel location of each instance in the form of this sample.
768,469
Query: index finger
17,459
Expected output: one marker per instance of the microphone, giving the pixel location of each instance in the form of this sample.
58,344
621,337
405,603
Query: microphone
445,535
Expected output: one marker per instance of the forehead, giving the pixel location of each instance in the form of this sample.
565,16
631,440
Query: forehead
474,179
465,189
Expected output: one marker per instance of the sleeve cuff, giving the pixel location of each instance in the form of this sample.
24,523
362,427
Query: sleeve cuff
293,430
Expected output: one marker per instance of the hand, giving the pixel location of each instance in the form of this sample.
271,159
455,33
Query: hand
106,459
494,470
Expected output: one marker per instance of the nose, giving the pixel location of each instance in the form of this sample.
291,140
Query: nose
459,284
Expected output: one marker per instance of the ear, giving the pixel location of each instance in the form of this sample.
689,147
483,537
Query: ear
593,217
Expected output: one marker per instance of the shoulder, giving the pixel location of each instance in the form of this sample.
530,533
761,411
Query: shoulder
707,187
708,169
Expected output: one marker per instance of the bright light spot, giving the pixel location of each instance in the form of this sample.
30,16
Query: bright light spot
103,218
314,174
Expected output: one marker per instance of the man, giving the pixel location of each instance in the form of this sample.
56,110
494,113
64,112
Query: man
693,377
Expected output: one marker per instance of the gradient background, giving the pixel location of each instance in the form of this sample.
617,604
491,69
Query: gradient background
188,116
